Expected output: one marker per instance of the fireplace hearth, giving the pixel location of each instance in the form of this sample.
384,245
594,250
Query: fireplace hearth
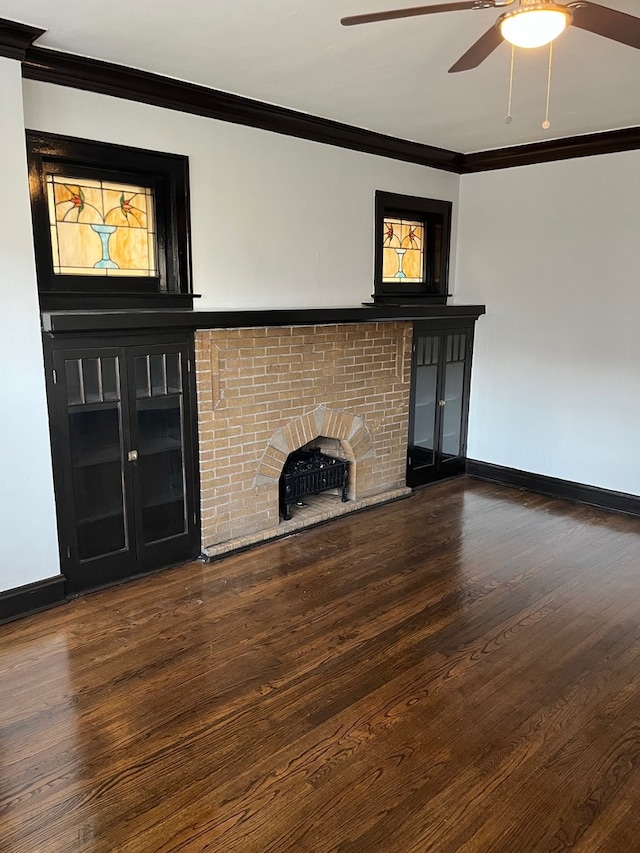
267,393
309,472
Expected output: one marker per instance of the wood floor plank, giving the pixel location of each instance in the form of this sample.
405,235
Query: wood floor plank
457,672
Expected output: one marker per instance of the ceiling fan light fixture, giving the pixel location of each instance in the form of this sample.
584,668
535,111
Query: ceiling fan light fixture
534,24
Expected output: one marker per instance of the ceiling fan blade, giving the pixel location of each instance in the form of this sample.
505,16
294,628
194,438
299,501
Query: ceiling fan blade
391,14
607,22
478,51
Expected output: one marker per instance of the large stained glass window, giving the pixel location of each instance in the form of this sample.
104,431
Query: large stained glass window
403,251
101,227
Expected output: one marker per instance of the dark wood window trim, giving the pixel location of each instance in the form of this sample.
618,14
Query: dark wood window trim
435,214
166,174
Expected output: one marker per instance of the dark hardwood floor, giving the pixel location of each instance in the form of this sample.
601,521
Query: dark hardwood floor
457,672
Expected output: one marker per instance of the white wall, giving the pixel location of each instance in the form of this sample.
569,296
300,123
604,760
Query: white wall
554,252
28,544
276,221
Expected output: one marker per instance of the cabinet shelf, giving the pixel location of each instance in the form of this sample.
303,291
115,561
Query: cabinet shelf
162,402
100,456
92,408
170,496
150,447
99,515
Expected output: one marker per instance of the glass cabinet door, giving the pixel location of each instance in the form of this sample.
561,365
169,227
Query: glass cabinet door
423,433
455,350
125,474
441,372
94,421
159,424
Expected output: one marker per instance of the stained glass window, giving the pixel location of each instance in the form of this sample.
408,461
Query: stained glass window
101,227
403,251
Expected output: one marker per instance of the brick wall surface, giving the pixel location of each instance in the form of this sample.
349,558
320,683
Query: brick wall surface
262,390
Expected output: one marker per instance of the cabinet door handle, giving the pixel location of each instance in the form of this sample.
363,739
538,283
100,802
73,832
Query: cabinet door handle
132,456
441,402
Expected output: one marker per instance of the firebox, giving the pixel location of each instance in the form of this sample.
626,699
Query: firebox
309,472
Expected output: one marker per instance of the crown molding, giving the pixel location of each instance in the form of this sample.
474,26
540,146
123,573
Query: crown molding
589,145
64,69
15,38
106,78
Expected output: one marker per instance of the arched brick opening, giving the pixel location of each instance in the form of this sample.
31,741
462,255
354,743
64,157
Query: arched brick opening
320,424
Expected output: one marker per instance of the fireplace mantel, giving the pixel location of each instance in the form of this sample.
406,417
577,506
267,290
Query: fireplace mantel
73,322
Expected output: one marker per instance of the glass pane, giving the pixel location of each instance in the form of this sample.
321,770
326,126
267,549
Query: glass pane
141,365
158,384
100,537
403,251
90,380
174,376
74,385
160,468
97,480
426,356
95,435
453,388
425,408
101,227
110,389
424,414
159,425
427,349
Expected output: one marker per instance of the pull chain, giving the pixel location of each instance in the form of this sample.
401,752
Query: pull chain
546,124
508,118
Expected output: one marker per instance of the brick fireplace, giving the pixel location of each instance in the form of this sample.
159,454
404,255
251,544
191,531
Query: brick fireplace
266,392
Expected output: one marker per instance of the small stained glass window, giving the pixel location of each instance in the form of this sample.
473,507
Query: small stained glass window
101,228
403,251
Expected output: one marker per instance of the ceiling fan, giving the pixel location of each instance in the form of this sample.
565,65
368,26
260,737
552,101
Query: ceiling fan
532,24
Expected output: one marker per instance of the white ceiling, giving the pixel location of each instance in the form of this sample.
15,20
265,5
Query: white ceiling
389,77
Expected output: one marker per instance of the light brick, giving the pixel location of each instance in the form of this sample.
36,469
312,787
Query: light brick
282,387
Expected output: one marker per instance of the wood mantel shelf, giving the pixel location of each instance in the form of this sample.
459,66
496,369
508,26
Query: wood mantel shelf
73,322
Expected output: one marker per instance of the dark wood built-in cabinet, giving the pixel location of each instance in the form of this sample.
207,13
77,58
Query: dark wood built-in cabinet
123,436
441,375
111,235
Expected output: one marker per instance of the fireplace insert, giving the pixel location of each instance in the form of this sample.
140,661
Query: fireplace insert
309,472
